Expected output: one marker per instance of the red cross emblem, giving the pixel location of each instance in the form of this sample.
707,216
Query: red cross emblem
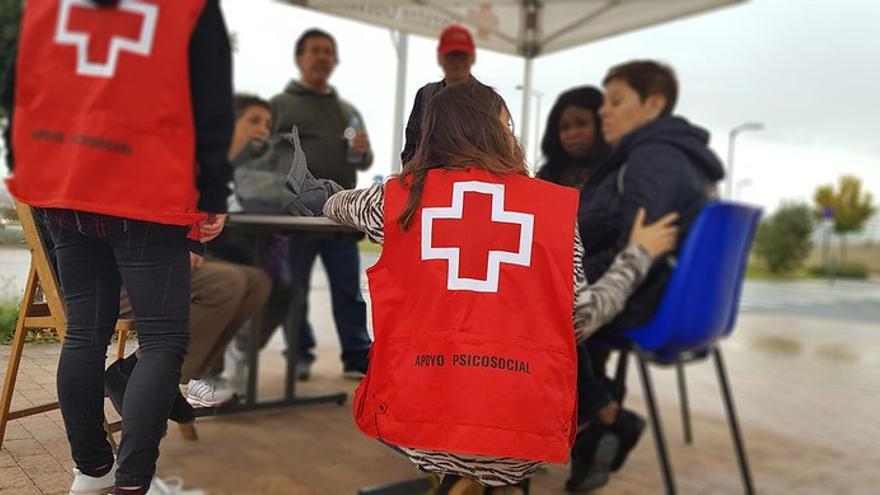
473,265
100,37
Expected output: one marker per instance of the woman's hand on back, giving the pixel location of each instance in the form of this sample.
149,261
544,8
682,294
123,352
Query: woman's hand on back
657,238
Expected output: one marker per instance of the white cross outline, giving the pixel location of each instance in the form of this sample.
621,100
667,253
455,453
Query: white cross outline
143,46
522,257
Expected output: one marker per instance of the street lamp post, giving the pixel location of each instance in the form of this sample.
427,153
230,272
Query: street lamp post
740,185
731,144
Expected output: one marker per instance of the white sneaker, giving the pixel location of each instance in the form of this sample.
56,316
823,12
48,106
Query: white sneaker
88,485
209,392
235,367
170,486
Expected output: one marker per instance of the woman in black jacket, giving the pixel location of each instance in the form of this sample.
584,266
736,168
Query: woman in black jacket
573,142
659,162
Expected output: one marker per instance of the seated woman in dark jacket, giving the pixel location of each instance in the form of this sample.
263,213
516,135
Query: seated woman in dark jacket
659,162
573,142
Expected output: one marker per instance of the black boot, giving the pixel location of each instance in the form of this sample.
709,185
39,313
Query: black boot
628,429
594,450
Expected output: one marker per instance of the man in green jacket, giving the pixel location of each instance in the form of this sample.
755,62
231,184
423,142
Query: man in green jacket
335,141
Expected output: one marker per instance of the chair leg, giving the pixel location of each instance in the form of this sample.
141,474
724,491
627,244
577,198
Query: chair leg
683,398
108,430
659,441
120,347
11,375
188,431
734,424
15,352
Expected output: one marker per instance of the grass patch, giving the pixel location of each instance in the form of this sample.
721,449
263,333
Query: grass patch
848,270
867,254
8,318
368,247
757,271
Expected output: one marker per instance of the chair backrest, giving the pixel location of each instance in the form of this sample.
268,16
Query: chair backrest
42,264
701,302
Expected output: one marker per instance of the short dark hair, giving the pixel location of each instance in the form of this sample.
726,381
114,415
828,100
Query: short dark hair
647,77
241,102
312,33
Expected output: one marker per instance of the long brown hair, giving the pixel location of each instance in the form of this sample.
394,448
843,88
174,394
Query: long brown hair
461,128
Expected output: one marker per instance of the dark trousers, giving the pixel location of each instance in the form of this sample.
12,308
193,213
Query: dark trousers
341,260
96,255
594,391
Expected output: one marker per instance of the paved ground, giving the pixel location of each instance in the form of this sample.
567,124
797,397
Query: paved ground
806,389
841,300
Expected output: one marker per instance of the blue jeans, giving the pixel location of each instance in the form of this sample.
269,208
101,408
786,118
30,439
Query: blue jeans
96,255
341,260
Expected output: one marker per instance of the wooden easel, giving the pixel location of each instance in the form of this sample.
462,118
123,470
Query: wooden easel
48,314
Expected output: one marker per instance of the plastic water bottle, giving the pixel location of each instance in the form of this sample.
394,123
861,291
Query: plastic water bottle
354,126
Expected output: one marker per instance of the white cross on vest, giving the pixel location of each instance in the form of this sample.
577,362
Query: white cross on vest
452,255
142,45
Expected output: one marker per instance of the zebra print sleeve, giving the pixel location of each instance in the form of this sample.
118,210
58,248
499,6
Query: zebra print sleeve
597,304
361,209
580,282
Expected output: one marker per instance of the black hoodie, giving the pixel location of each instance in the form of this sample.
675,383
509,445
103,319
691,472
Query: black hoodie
663,166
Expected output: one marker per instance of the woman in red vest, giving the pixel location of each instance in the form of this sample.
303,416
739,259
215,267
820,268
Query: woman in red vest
478,299
115,105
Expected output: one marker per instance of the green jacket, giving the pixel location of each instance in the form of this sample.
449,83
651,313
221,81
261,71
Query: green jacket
321,119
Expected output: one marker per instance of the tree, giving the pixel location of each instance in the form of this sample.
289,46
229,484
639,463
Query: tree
783,239
852,207
10,13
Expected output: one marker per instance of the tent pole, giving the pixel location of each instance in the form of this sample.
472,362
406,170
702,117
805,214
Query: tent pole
526,102
401,45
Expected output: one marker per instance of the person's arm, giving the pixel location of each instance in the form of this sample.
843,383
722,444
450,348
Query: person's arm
367,162
413,127
599,303
210,62
362,209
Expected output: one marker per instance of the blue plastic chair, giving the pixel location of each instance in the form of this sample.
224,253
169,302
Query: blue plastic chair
698,309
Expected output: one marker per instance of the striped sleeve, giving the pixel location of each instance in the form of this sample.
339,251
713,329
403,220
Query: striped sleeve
361,209
597,304
489,471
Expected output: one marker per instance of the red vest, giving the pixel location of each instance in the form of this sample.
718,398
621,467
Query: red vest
474,346
103,113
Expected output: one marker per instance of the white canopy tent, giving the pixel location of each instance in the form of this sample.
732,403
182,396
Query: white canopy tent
528,28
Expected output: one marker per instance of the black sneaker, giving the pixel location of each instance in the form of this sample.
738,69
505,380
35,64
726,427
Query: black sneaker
594,450
116,379
628,429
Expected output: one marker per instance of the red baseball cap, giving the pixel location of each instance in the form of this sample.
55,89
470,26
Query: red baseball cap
456,38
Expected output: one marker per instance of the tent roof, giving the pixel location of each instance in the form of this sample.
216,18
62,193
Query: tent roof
521,27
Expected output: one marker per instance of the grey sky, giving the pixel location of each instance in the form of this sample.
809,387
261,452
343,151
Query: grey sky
808,69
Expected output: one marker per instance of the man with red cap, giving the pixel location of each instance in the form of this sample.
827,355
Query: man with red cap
456,55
